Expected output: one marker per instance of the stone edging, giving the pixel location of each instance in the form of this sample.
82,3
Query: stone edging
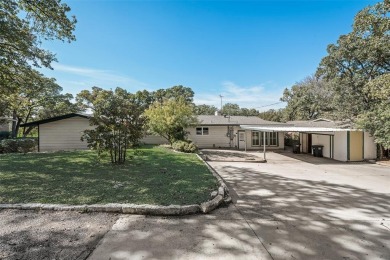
222,194
205,207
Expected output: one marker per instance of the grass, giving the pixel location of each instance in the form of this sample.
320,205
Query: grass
156,175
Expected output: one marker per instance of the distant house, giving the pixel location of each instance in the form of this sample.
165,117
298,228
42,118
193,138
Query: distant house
340,141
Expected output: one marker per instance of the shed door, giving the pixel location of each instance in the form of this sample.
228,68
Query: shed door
356,146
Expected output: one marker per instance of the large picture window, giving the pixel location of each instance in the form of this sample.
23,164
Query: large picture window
271,138
202,131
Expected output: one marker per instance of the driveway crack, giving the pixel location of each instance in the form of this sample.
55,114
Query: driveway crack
258,238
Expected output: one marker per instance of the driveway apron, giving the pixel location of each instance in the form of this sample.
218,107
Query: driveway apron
288,208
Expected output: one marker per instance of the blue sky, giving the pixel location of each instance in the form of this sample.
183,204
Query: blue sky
248,51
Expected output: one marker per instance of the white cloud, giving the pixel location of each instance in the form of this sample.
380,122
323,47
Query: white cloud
95,77
245,96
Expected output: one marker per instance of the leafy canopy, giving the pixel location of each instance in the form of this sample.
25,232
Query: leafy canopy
169,118
24,24
118,120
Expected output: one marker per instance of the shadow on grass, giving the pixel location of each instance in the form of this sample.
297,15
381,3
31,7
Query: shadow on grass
159,176
293,219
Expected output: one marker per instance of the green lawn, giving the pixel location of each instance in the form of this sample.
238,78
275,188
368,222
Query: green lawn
158,176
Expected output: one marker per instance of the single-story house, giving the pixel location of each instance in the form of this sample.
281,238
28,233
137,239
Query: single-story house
64,133
226,132
340,142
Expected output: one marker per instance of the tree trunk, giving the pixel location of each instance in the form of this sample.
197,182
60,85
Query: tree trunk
14,130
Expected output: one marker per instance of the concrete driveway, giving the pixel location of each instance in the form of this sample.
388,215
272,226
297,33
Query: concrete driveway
289,208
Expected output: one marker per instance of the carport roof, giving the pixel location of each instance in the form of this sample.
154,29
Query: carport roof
295,129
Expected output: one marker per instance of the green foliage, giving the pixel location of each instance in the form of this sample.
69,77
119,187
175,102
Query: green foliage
205,110
273,115
376,120
24,24
170,118
40,99
184,146
118,120
357,58
235,110
308,99
20,145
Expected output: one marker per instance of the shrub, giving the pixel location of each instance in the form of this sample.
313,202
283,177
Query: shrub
4,135
183,146
24,145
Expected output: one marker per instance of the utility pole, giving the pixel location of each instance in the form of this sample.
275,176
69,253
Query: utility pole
221,101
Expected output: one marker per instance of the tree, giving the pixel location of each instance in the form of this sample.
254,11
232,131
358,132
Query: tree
118,120
205,110
376,120
357,58
175,92
24,25
308,99
231,109
273,115
170,118
39,99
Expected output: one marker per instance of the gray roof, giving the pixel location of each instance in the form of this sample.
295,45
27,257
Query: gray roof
235,120
321,122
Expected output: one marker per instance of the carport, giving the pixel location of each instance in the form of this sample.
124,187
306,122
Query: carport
351,144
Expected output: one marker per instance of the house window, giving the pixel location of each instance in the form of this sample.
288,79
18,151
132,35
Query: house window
255,138
202,131
271,138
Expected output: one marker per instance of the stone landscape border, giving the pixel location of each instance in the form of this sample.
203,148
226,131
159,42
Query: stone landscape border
220,196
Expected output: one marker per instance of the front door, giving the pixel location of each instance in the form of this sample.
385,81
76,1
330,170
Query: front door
241,140
309,143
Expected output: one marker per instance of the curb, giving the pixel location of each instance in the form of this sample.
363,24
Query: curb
145,209
222,195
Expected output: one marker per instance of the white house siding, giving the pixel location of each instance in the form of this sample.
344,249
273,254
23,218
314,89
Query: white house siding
369,147
63,134
324,140
340,146
153,139
215,139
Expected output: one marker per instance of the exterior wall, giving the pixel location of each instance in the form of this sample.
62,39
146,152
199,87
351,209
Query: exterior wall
63,134
369,147
324,140
215,139
153,139
340,146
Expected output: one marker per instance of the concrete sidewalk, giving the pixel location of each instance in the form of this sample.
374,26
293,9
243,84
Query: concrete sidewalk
285,209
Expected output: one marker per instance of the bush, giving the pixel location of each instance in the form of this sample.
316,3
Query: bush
4,135
24,145
183,146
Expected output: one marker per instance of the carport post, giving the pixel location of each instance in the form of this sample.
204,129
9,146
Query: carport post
245,139
265,159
